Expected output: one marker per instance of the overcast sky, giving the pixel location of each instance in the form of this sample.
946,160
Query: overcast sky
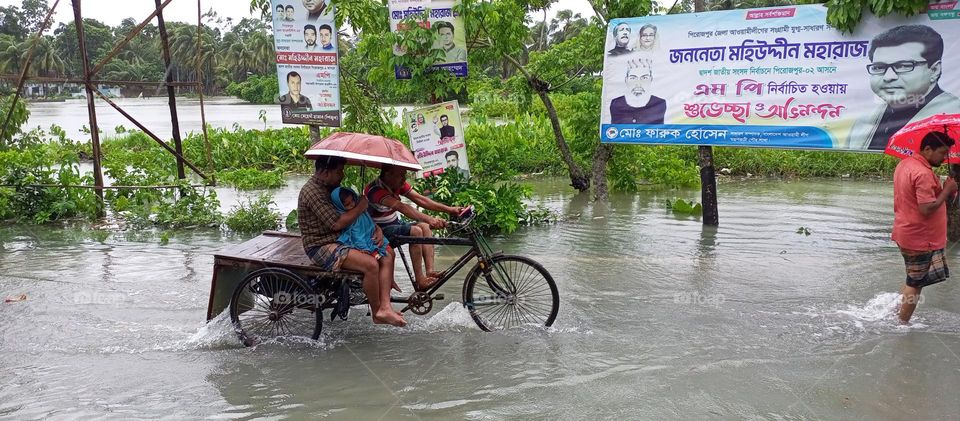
111,12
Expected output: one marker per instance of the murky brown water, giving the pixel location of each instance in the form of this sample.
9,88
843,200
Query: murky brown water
659,319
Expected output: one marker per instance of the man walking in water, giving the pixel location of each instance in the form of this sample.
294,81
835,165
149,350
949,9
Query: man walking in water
920,218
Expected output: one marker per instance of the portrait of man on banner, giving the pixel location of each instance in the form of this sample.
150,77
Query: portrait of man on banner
293,100
905,70
638,105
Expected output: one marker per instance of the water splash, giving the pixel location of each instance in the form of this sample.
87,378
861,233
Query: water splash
217,333
882,307
452,317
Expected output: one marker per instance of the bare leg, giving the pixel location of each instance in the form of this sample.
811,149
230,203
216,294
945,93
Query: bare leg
427,250
416,255
367,265
908,302
386,280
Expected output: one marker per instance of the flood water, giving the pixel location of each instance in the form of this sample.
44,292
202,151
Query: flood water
154,113
659,319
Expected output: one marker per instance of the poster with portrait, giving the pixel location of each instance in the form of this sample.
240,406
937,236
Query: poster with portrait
305,38
440,17
776,77
436,138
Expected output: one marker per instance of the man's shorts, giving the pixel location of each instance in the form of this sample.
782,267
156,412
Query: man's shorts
396,228
925,268
328,256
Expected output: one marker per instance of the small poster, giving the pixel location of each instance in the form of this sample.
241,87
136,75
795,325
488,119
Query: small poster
436,138
440,17
305,38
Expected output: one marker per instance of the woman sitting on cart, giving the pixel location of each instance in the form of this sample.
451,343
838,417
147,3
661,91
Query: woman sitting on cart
321,226
383,195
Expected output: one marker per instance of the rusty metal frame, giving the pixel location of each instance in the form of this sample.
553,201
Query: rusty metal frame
89,81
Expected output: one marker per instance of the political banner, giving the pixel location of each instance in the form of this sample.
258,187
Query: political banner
305,38
776,77
436,138
440,17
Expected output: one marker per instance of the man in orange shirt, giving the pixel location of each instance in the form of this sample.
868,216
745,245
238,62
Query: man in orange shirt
920,218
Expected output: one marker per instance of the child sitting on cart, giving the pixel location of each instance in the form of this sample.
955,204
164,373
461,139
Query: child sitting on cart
359,235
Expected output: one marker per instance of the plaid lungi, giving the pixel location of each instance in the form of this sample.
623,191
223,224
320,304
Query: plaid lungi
925,267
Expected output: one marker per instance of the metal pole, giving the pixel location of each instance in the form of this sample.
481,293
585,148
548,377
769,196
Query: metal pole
150,134
171,92
91,107
708,174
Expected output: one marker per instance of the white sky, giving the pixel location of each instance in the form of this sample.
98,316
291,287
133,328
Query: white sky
112,12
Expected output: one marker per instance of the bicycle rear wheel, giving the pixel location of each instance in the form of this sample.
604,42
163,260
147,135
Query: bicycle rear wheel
513,291
274,302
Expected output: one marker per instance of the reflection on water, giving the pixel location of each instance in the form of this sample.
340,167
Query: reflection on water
660,318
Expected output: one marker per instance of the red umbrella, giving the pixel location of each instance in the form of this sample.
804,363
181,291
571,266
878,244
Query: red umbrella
365,149
906,141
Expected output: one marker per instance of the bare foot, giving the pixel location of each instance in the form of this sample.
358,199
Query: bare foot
426,282
389,317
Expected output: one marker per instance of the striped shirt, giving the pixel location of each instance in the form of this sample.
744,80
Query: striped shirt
376,192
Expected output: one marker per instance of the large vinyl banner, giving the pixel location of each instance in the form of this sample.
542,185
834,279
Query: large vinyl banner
436,138
776,77
305,37
440,17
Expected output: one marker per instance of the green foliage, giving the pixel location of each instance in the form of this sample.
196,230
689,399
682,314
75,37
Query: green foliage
846,14
292,221
804,230
500,207
683,207
257,89
23,169
253,216
250,179
523,145
183,207
787,163
633,167
17,119
272,149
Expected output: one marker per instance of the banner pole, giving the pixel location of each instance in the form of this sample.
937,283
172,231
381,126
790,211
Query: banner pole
708,174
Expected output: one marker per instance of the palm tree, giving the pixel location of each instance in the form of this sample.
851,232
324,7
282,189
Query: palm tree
9,54
46,59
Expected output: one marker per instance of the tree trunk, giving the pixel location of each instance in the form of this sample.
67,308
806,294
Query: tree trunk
600,158
578,179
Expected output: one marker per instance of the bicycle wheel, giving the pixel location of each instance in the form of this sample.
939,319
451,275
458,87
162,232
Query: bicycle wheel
274,302
514,291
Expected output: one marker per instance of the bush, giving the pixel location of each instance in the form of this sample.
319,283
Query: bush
499,208
257,89
253,216
250,179
26,202
17,119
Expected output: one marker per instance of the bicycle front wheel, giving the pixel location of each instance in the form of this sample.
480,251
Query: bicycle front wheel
512,291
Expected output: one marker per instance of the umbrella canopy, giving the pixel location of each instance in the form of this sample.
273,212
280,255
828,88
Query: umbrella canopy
365,149
906,141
